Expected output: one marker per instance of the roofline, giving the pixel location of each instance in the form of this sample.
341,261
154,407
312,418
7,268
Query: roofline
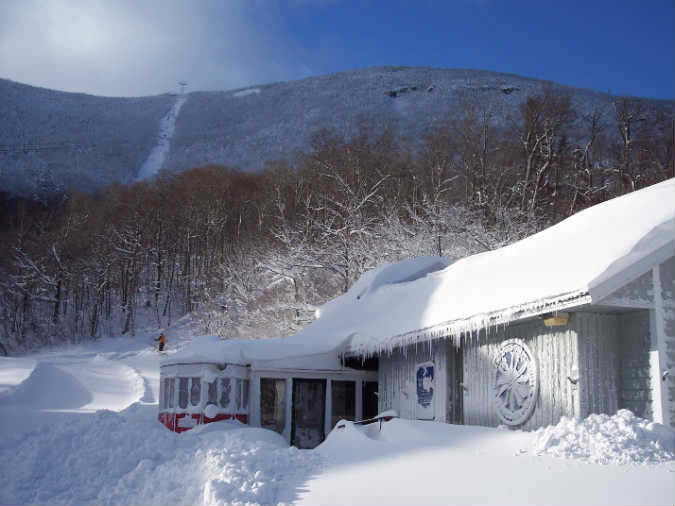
343,371
202,362
632,272
504,316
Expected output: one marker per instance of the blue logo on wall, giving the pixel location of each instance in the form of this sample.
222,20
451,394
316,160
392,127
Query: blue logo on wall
425,385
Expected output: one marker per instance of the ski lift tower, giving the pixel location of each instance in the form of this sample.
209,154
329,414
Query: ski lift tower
182,85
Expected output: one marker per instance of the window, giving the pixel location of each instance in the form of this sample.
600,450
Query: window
225,390
172,393
164,394
244,395
212,392
196,391
273,404
182,392
237,394
343,394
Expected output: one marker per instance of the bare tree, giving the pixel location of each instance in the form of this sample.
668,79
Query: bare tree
629,113
545,117
583,179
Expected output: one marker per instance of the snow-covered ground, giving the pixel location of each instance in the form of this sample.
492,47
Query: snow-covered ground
78,426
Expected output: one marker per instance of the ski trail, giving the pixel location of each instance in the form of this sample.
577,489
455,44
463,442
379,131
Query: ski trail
158,154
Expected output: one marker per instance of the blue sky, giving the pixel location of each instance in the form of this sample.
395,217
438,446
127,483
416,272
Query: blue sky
139,47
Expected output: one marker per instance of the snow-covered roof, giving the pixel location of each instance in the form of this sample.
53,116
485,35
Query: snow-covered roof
311,348
294,352
578,261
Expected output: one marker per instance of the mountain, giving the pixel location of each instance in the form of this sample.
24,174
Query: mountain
51,140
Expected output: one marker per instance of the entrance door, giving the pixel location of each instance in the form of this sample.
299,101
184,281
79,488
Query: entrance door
455,384
309,408
369,400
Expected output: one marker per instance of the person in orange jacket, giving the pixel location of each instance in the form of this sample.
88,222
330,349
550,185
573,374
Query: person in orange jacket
162,341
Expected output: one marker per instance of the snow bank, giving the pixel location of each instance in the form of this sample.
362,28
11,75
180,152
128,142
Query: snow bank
49,386
130,458
124,458
619,439
77,384
14,370
423,462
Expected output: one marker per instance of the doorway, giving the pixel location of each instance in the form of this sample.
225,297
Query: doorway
455,384
309,407
369,401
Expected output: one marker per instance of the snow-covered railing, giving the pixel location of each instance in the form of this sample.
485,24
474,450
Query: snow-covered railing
385,416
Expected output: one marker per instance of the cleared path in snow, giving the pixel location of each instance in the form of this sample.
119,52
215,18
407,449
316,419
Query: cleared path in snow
167,125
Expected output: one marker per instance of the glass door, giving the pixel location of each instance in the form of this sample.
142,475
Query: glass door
309,407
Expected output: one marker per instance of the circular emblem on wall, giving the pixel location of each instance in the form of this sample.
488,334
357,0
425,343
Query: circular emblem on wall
516,382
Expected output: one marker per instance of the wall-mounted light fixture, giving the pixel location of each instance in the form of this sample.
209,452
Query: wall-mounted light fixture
555,319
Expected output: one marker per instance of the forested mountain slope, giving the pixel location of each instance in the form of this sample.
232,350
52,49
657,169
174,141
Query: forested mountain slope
52,141
246,128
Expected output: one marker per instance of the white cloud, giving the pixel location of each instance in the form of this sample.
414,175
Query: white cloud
140,47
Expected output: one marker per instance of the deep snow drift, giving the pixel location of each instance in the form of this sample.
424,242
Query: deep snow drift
129,458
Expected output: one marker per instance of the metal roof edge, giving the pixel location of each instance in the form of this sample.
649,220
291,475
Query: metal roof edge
504,316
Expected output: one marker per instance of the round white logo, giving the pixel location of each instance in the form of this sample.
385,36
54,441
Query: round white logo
516,382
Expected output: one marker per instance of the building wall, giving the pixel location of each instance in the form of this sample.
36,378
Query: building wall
397,380
598,363
556,351
664,330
